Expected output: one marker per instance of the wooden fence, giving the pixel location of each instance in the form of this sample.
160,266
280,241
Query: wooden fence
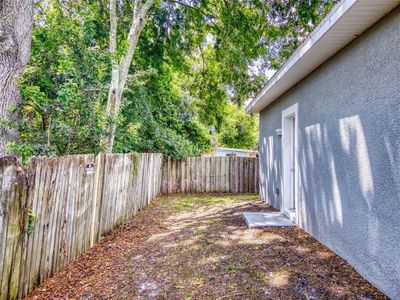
57,208
210,175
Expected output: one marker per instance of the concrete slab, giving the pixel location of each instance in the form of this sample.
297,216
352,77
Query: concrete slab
266,219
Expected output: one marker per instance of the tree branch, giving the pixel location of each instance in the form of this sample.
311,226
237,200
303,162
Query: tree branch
209,16
113,27
133,37
136,8
194,8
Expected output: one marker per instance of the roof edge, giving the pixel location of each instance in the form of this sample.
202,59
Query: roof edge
236,149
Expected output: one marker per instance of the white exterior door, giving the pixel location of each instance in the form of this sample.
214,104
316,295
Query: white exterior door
289,162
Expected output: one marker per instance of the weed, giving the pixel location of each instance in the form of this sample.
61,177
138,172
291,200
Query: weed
31,222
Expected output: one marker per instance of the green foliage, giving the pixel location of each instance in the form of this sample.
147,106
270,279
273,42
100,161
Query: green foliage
239,129
64,86
31,222
156,117
196,63
23,150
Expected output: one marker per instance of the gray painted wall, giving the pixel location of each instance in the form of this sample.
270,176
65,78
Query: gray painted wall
349,153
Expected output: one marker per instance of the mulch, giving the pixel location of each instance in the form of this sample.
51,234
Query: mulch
198,247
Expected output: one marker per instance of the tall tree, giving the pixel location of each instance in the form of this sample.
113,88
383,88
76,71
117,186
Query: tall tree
239,33
16,21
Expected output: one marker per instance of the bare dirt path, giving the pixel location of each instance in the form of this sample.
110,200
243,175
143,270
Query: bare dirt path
194,247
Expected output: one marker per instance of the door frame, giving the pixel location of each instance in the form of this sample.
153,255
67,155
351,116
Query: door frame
287,143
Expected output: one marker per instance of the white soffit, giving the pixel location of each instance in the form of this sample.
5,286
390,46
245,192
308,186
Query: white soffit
347,20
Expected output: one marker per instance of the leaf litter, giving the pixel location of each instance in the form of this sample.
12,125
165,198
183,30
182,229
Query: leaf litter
198,247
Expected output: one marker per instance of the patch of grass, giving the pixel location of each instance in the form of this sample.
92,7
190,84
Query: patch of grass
255,274
206,241
233,268
186,202
249,197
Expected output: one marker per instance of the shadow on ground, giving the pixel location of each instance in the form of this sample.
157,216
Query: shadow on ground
198,247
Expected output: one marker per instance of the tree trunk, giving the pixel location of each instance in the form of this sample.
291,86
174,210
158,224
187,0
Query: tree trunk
114,100
120,70
16,21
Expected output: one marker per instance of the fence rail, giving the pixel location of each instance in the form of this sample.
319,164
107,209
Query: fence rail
56,208
210,175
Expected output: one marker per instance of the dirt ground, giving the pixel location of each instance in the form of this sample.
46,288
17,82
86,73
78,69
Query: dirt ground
198,247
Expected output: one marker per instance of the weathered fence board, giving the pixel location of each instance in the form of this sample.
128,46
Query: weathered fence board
210,175
12,211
